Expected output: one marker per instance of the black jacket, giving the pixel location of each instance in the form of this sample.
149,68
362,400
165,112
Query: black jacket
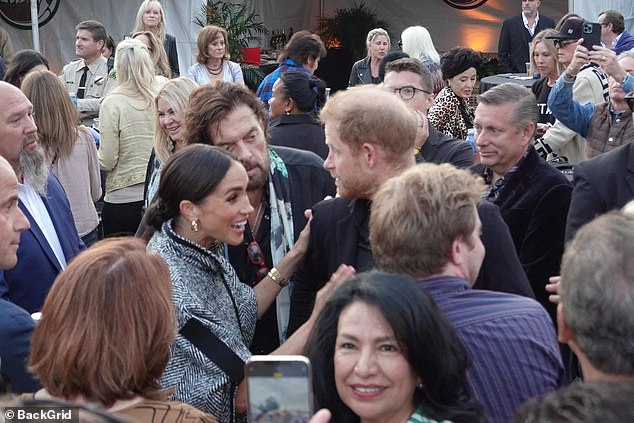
439,148
514,40
534,204
172,54
334,238
603,183
299,131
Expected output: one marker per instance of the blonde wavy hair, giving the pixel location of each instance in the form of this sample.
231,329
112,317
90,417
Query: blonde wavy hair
134,70
151,5
176,93
157,54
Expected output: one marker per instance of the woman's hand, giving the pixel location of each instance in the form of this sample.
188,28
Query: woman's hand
322,416
342,274
553,288
240,400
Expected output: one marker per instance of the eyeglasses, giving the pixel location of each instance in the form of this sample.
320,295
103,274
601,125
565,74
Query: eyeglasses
400,44
563,43
256,256
408,92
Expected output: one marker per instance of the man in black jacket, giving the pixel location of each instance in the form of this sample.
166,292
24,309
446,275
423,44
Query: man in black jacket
283,183
532,195
370,134
517,34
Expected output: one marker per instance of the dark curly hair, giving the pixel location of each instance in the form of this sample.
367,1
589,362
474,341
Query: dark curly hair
426,337
308,93
458,60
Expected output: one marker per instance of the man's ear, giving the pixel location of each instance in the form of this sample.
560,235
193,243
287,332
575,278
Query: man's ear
528,133
564,333
370,154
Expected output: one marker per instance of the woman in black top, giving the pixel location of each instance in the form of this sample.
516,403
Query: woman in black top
544,61
296,100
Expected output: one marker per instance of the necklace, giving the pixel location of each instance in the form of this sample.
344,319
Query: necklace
215,71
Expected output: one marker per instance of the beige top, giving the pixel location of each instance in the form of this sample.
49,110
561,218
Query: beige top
127,135
79,175
150,411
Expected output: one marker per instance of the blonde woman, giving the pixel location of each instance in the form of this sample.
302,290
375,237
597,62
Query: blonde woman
70,149
417,43
169,135
544,61
151,17
127,131
366,71
213,58
157,54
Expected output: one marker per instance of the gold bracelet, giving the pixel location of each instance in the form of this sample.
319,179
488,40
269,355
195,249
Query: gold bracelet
276,277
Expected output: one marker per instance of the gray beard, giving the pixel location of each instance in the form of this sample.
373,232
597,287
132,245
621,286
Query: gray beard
34,169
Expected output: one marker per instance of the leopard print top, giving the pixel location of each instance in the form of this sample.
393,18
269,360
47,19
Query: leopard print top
445,116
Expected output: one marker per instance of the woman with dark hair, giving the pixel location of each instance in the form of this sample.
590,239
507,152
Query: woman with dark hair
23,62
451,112
203,205
296,99
382,351
103,339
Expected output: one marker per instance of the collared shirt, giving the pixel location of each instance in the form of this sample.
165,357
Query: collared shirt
36,207
496,187
265,90
616,40
574,115
511,342
531,29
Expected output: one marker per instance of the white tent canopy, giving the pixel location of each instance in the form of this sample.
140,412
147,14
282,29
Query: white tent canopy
478,28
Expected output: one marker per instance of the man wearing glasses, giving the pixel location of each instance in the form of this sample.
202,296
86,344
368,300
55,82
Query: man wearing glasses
590,86
413,83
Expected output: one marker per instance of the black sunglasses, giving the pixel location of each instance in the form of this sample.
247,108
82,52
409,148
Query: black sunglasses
256,256
563,43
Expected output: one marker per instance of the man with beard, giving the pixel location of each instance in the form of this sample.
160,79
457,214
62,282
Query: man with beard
283,183
52,240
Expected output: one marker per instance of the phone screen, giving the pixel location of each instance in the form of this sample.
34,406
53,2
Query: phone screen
279,391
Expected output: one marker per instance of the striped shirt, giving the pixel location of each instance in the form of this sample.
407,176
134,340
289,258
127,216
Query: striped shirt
511,343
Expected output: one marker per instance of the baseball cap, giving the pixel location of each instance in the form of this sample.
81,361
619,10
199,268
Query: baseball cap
570,30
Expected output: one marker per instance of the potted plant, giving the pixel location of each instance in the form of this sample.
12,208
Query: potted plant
348,28
242,25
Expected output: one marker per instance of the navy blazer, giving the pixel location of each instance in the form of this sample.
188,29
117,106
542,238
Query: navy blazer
16,326
29,281
603,183
334,237
514,41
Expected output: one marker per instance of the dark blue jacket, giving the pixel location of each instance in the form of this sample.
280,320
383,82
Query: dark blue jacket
625,43
16,326
29,281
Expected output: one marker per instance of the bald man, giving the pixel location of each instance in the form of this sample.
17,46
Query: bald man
52,240
16,324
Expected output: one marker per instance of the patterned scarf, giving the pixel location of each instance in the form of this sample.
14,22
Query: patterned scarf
282,236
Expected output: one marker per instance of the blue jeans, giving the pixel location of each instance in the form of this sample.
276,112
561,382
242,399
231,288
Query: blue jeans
90,238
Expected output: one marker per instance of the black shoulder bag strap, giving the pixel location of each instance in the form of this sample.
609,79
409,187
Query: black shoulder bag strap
215,350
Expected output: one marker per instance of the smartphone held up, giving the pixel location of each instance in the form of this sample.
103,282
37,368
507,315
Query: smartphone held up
279,389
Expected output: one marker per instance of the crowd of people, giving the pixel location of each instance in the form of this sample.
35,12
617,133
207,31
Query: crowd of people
415,241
